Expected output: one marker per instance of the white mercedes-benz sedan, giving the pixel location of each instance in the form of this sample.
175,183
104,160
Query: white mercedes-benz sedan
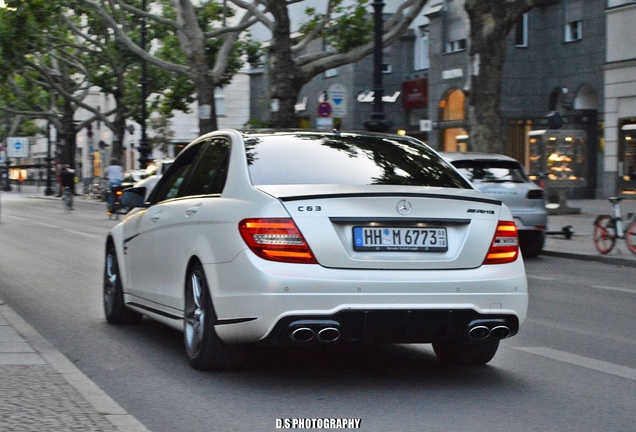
301,237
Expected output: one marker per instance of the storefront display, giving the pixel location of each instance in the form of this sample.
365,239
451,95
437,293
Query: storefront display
627,159
558,157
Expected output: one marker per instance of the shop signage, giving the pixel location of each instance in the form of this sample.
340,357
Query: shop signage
415,93
452,73
368,97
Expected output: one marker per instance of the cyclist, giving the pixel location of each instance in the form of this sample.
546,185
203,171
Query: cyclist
67,179
115,176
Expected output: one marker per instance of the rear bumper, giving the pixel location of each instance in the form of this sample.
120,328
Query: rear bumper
261,301
389,326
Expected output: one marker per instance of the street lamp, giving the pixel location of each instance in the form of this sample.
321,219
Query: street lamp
377,122
48,191
144,148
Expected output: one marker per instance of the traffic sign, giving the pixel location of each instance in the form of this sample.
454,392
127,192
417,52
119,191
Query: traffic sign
18,147
338,99
324,109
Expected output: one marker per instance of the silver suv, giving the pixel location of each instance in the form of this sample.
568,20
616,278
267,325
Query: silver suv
504,178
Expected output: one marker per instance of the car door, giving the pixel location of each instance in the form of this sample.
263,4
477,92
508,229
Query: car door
152,244
193,216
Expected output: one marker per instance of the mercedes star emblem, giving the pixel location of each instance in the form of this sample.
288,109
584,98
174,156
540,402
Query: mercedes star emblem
403,207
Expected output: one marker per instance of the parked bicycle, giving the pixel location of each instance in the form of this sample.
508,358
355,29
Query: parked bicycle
609,228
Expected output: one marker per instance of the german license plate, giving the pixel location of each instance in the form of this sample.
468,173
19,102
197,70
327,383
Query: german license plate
400,239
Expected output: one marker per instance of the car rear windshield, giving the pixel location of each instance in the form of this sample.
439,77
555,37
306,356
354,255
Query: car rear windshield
492,171
346,159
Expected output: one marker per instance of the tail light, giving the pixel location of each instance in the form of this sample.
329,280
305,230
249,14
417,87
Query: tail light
276,240
505,244
119,192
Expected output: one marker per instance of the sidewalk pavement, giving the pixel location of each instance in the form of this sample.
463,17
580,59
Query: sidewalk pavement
41,390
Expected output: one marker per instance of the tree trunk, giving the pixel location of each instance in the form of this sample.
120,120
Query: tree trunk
490,23
69,132
286,78
207,108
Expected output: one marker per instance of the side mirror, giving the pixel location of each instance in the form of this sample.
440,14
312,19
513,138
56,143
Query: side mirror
134,197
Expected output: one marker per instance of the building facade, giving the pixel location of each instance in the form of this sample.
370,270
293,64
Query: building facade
552,79
619,163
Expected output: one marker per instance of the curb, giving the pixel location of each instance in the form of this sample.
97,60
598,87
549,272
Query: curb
595,258
95,396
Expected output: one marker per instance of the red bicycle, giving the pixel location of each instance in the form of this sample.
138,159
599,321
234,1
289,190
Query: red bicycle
609,228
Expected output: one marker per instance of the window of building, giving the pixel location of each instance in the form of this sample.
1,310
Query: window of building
421,49
574,31
456,26
456,45
521,31
573,10
219,101
330,73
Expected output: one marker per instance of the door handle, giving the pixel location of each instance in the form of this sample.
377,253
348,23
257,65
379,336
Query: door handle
155,217
192,210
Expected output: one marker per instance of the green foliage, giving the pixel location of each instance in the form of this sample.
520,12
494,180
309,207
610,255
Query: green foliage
23,28
349,27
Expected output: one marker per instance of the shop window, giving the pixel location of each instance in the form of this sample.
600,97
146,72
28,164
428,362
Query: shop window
559,156
627,157
452,113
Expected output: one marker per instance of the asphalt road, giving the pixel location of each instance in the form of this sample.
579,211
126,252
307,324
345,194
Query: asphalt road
571,368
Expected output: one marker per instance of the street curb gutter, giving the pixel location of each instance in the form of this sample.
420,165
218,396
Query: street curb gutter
597,258
102,403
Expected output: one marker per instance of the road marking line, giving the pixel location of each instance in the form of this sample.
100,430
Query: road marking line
543,278
586,362
611,288
58,227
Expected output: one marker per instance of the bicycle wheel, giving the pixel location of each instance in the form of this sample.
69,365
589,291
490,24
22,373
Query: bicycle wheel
604,234
630,236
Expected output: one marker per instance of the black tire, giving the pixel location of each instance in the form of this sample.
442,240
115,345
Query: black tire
465,353
532,248
604,234
204,349
113,294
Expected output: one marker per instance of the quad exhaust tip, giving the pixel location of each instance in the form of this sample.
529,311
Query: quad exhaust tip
308,331
483,329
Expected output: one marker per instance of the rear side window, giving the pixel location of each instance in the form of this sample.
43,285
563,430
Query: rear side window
210,172
346,159
169,185
492,171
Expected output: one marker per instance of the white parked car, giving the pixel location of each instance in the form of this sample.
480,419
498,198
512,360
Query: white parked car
300,237
504,178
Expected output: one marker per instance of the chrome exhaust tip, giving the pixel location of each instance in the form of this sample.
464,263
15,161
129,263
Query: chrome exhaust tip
329,334
500,332
479,332
302,334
